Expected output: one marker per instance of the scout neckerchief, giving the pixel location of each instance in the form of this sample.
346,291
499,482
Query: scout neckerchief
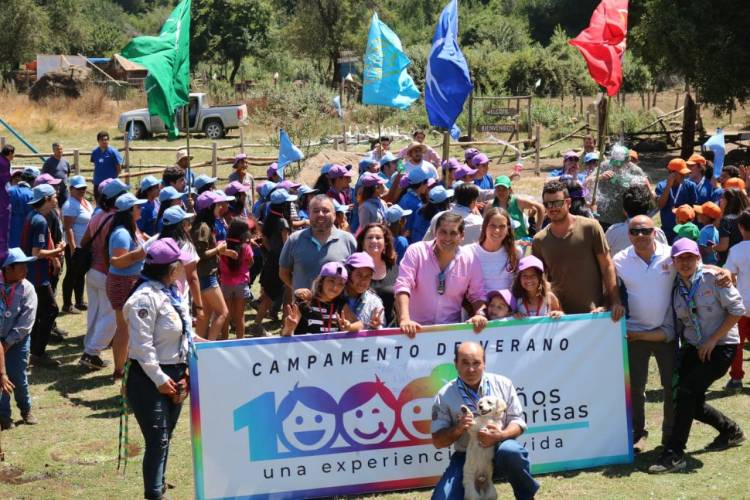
356,304
675,196
7,293
176,300
688,296
472,397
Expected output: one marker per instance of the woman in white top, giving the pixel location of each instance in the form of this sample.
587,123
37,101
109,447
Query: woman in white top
160,334
76,213
496,250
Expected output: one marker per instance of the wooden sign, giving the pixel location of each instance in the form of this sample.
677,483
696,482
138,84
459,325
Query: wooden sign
500,128
501,111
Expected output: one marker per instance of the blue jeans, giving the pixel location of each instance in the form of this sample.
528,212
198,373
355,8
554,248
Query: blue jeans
511,460
157,417
16,362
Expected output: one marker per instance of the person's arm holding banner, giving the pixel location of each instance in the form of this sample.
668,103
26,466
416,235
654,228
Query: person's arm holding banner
477,295
405,283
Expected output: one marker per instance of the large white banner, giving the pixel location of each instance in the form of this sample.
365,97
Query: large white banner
321,415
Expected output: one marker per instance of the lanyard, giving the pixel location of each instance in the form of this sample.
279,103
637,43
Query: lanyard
7,296
528,309
675,196
470,396
688,296
330,314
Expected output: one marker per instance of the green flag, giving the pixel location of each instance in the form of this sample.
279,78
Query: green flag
167,58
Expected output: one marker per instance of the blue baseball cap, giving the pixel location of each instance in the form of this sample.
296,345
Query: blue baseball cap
169,193
590,157
78,182
439,194
365,163
175,215
325,168
16,256
305,189
114,188
128,201
394,213
418,175
202,180
32,171
387,158
148,182
338,207
41,192
267,189
281,196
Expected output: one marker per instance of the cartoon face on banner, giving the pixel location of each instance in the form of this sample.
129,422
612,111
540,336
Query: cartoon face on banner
416,400
369,413
308,419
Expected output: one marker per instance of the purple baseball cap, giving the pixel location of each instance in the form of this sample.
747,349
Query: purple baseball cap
208,198
403,182
166,251
337,171
505,294
530,261
685,245
451,164
360,260
369,179
462,171
470,153
334,270
569,155
479,159
235,187
238,158
273,169
47,179
286,184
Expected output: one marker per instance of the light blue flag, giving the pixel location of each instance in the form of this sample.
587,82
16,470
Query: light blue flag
448,82
716,144
288,152
386,81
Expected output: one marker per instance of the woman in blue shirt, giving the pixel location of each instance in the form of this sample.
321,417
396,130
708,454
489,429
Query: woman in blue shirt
126,255
149,191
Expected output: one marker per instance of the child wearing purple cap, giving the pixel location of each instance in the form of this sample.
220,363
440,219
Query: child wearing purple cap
234,275
323,309
499,304
532,292
371,207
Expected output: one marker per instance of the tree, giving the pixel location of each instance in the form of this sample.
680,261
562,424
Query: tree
229,30
703,41
23,35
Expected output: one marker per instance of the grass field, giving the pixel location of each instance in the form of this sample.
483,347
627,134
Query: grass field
72,452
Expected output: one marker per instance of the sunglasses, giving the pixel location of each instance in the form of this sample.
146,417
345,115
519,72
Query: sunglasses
554,204
441,283
641,231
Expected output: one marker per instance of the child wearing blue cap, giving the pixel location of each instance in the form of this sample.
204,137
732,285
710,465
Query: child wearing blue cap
149,191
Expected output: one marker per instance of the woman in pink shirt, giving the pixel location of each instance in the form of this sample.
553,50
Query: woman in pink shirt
234,275
435,276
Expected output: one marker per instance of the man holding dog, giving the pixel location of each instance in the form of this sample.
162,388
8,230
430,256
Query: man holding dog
450,426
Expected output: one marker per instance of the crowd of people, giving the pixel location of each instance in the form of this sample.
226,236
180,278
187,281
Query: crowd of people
415,240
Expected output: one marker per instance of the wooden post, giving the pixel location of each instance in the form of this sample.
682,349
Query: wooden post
537,149
343,114
528,105
2,142
446,144
214,158
603,114
242,140
127,152
76,162
688,126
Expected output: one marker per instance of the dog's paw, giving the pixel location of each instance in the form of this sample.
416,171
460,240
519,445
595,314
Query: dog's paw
465,410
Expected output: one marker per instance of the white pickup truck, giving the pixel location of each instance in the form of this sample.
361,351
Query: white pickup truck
214,121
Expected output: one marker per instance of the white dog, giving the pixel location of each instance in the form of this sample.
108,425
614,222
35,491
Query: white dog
478,466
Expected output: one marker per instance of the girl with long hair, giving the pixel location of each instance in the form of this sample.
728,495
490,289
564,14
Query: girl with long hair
496,250
234,274
532,292
377,241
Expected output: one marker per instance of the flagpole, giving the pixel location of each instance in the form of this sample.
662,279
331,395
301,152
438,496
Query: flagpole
446,150
380,150
186,122
600,137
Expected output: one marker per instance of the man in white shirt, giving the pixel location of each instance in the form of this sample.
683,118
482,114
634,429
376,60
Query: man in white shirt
466,196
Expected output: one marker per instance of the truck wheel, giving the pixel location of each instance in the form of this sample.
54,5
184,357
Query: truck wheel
137,131
214,129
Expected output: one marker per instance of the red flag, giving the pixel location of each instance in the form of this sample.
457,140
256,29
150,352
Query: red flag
602,44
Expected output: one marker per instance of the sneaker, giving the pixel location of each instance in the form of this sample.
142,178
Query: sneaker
6,423
92,362
669,461
726,440
70,310
258,331
734,384
82,306
29,418
43,361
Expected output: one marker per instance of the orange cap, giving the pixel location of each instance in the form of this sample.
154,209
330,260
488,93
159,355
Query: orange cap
734,183
678,165
683,214
696,159
633,155
709,209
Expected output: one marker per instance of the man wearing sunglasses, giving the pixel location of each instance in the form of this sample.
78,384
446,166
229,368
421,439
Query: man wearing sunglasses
576,256
647,276
435,276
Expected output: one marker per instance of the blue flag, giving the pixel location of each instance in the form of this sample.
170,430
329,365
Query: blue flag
386,81
448,82
288,152
716,144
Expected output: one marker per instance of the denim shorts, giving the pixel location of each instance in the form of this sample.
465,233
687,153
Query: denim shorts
241,291
210,281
